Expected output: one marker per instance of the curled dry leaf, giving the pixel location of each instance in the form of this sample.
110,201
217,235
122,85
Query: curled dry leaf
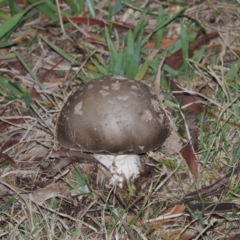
188,154
101,23
165,43
52,190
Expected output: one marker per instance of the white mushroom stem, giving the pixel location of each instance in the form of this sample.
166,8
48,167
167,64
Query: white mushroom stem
123,167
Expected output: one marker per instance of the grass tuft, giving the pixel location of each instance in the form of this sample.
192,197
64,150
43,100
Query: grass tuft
45,51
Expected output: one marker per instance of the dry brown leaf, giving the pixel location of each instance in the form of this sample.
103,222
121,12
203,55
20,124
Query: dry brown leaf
101,23
52,190
176,209
189,156
54,79
4,125
177,234
167,216
166,42
234,237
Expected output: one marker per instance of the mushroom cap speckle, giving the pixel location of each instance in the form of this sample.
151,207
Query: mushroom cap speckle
112,115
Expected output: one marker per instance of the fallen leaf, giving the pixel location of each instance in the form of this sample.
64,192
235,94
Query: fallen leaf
165,43
189,156
101,23
170,214
4,125
52,190
234,237
177,234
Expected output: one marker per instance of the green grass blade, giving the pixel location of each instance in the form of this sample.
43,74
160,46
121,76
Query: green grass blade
4,16
15,91
74,6
117,7
90,4
77,7
59,50
112,51
198,55
140,25
132,55
234,71
14,8
6,44
8,56
165,23
100,68
47,8
142,71
185,44
11,23
34,77
11,6
118,64
8,204
128,56
174,73
80,187
159,33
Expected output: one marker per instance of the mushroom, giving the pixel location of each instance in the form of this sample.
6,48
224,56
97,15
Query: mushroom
115,118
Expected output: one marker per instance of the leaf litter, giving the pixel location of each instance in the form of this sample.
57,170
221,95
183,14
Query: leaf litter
27,142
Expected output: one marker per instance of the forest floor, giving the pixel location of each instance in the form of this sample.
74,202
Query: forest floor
189,52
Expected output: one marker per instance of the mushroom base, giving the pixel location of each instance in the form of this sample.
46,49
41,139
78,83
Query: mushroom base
123,167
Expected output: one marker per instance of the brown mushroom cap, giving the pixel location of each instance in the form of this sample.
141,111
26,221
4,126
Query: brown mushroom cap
112,115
